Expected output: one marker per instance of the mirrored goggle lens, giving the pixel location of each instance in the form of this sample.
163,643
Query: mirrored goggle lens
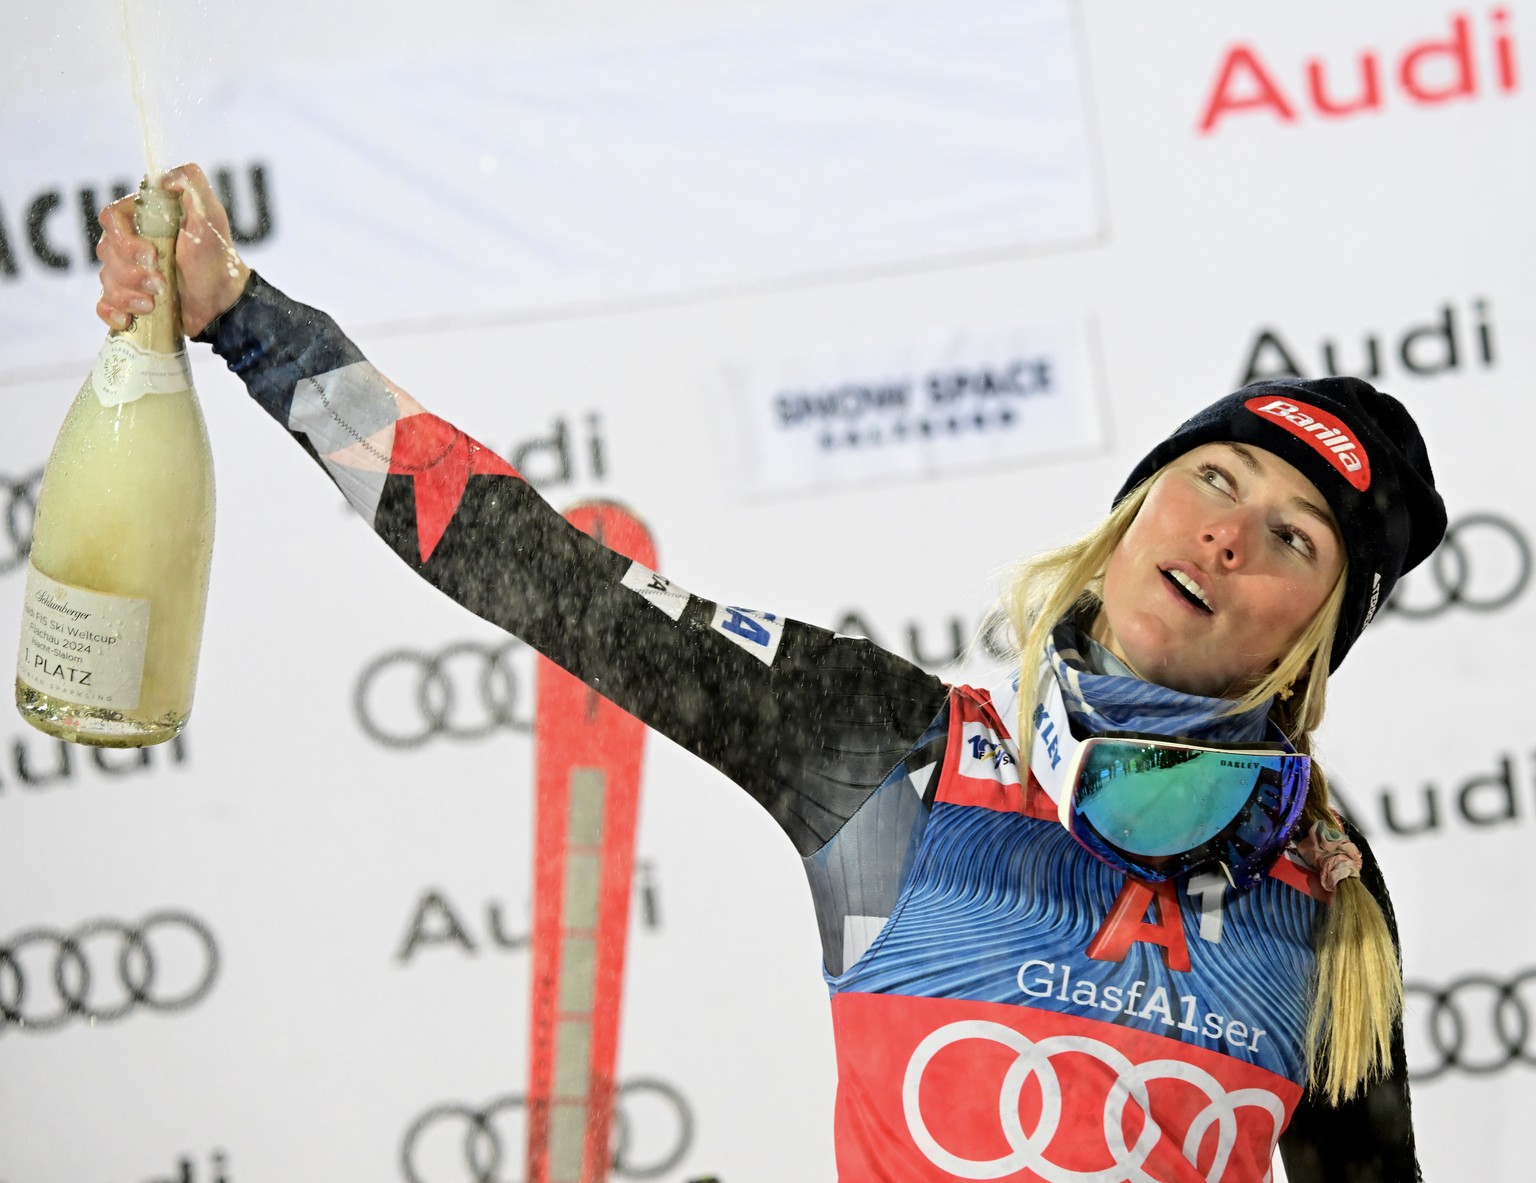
1160,801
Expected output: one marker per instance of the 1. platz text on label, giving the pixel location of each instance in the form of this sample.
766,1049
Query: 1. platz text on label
1435,70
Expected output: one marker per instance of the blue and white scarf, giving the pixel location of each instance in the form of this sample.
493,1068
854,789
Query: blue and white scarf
1113,701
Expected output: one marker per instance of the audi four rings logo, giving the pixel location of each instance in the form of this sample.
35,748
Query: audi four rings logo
20,507
653,1132
466,691
1475,1024
1483,564
103,969
1034,1062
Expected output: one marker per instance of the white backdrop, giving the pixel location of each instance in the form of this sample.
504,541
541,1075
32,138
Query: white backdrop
656,253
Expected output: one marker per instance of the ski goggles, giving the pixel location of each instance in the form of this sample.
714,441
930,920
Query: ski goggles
1156,808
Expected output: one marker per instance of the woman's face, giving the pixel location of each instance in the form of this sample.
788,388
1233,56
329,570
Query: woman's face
1228,560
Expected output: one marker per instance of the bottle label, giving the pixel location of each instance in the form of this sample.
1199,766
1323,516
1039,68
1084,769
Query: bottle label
82,646
124,372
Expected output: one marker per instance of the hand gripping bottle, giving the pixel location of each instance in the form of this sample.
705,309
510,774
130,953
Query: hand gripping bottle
123,535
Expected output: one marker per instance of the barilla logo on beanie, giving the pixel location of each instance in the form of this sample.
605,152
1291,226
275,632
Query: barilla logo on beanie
1327,434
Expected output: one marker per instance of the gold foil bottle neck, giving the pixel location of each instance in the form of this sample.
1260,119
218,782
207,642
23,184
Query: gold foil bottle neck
156,213
157,217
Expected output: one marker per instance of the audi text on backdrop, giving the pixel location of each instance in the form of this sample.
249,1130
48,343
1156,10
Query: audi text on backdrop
435,922
59,769
1483,802
1423,351
1437,70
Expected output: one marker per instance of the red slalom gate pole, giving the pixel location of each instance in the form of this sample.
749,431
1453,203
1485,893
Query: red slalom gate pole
587,795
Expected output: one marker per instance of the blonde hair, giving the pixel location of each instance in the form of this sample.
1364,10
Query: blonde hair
1357,992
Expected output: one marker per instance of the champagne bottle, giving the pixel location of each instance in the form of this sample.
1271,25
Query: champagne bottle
113,616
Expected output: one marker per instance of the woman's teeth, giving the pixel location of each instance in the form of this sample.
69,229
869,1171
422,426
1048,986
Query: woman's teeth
1190,587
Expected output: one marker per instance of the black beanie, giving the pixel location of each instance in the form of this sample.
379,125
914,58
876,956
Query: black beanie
1364,453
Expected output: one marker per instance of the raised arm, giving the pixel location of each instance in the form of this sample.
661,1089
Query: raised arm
808,722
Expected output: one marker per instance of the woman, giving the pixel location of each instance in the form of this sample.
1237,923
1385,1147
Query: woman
1014,998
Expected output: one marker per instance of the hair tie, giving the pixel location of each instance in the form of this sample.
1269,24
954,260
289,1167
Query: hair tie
1329,852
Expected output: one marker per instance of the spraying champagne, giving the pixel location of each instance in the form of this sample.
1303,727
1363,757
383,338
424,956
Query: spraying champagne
113,615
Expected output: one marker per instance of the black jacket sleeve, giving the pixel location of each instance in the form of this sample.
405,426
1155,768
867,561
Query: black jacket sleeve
808,722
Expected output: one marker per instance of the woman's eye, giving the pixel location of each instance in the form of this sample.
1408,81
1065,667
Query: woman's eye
1296,540
1216,478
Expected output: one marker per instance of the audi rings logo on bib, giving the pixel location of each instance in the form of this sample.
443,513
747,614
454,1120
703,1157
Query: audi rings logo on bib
1327,434
1482,565
465,691
103,970
20,508
454,1143
1035,1068
1477,1024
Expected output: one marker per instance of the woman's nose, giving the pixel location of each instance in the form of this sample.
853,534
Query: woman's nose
1228,535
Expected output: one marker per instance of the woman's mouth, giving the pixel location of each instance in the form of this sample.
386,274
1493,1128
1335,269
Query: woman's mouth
1189,589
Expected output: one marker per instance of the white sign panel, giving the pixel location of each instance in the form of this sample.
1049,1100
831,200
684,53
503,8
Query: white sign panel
555,173
952,404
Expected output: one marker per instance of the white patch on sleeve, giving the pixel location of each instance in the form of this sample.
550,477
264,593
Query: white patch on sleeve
859,933
658,589
342,407
758,633
362,487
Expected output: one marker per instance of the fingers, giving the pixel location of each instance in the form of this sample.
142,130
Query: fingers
212,274
195,190
120,241
130,280
119,305
117,220
184,176
113,316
